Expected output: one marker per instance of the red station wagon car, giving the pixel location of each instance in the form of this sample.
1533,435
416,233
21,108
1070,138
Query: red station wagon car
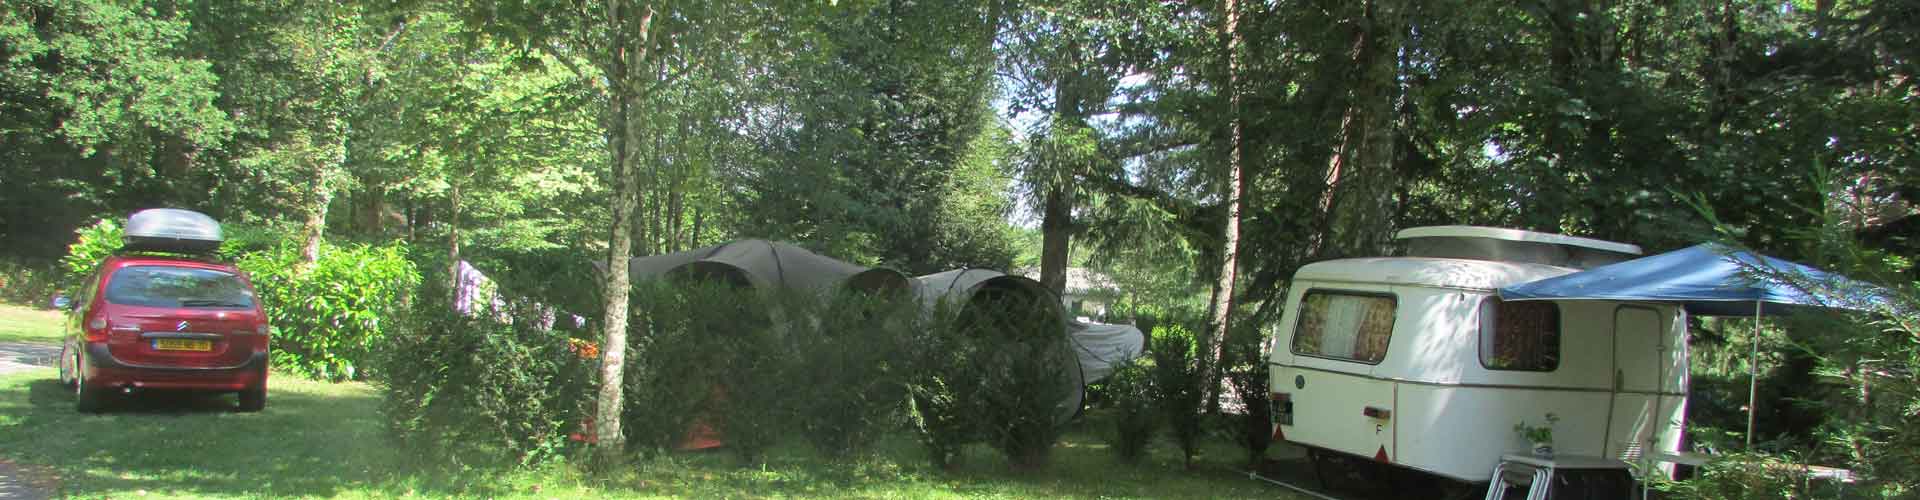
154,321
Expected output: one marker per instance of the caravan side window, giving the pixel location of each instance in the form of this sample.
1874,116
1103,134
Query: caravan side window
1519,335
1344,325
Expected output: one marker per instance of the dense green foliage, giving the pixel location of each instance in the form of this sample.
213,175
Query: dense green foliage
332,319
1176,374
473,388
532,138
96,242
29,282
1130,392
1245,373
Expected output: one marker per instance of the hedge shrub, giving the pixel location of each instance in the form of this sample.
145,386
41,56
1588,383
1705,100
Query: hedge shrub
96,242
853,357
330,319
1177,374
1245,372
986,373
1130,394
25,282
943,388
472,388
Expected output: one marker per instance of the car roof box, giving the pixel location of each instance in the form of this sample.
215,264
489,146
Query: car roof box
171,230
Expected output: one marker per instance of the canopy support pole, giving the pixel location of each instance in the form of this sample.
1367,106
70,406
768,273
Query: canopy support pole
1753,374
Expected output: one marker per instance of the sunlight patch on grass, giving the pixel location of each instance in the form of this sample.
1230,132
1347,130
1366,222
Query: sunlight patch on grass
320,439
25,324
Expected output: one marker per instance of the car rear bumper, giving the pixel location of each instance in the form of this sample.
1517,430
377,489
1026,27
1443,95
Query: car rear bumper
103,370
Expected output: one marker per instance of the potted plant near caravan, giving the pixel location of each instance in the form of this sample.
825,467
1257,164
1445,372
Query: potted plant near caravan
1539,438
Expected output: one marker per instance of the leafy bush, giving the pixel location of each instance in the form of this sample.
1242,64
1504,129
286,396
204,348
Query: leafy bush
714,357
1021,364
96,242
1177,374
330,319
1751,475
671,366
1246,373
852,356
756,372
473,386
943,388
29,283
1130,389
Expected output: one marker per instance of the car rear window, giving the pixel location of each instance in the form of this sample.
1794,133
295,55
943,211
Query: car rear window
168,286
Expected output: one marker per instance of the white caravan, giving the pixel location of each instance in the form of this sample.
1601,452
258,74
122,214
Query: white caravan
1415,362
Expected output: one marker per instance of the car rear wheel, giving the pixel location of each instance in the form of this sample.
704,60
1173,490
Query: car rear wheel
87,399
66,368
253,399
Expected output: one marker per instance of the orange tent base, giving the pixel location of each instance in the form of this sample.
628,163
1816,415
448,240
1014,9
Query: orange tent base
700,436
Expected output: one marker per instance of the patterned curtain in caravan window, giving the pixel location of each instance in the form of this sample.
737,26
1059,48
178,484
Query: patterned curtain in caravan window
1519,335
1345,326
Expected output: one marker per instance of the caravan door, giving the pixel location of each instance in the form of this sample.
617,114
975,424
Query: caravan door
1639,347
1337,403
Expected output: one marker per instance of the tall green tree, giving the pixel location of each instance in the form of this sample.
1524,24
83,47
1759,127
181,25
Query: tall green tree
104,107
869,131
627,52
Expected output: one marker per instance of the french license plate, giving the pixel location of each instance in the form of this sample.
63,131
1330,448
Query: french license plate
182,345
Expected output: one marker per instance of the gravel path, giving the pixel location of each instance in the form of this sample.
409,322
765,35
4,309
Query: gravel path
18,357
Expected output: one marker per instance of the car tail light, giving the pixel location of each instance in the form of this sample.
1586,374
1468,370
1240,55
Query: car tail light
97,329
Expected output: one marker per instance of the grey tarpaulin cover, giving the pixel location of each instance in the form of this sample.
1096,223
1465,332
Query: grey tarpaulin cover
1103,347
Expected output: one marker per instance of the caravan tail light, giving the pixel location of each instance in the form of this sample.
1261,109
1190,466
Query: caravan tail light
1282,407
1377,412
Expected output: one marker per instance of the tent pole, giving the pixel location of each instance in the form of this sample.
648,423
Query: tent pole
1753,374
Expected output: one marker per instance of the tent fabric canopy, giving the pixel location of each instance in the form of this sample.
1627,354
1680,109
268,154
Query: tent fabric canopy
766,265
1707,279
769,266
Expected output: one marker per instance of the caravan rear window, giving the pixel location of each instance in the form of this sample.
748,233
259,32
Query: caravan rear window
1344,325
1519,335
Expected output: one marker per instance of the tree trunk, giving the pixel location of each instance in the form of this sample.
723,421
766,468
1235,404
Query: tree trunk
1056,226
410,219
453,240
1221,309
693,238
613,351
1361,174
675,204
315,227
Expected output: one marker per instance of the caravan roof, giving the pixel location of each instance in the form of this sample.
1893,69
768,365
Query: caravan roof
1429,271
1513,245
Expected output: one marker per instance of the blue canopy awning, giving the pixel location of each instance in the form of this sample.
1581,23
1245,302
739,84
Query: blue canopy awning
1708,280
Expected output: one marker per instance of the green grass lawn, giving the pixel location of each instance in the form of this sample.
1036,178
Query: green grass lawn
319,439
26,324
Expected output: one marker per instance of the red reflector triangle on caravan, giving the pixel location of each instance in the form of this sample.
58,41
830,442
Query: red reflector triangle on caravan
1381,456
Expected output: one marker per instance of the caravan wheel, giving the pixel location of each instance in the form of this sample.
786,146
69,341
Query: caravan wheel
1342,472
